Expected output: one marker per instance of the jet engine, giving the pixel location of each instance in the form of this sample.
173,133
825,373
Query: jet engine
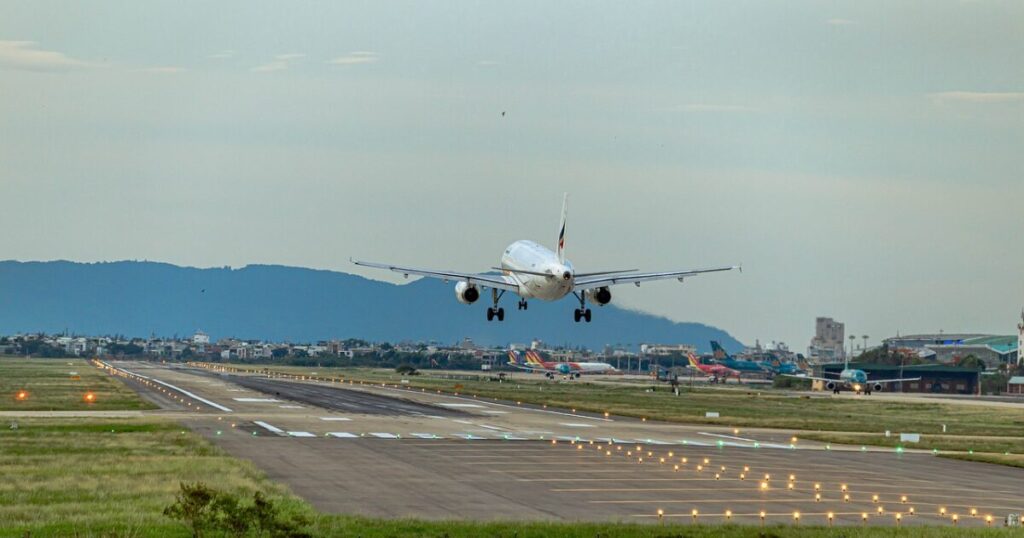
831,385
600,296
877,387
466,293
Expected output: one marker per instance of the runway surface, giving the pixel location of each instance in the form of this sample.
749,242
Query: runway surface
395,452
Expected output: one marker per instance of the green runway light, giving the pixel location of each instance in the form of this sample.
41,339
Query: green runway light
899,450
720,444
863,448
828,447
757,445
219,432
970,451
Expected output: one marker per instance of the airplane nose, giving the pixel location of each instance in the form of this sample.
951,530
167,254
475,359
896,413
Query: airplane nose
566,275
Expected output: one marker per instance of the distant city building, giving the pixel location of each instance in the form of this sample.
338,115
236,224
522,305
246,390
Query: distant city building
829,339
662,350
200,338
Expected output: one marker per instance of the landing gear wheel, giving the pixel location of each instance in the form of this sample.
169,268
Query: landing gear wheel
501,314
490,314
586,315
523,305
577,314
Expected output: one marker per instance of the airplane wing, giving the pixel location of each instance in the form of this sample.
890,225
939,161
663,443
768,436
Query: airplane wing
601,281
893,380
494,281
811,377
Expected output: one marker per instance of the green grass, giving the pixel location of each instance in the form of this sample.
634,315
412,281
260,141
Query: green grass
376,528
1013,460
51,386
65,477
738,407
997,445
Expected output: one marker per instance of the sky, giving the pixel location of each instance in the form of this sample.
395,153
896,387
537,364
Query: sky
862,160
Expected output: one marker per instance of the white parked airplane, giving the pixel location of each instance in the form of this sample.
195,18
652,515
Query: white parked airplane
534,272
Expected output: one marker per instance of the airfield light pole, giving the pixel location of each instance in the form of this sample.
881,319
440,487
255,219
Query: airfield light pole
865,337
852,338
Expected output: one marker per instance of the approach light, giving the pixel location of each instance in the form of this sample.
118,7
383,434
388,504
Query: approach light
21,396
89,397
728,515
942,511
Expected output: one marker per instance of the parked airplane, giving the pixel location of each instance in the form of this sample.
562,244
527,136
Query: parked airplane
722,357
853,379
778,367
534,363
534,272
716,371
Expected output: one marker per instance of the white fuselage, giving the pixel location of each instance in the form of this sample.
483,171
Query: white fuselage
535,258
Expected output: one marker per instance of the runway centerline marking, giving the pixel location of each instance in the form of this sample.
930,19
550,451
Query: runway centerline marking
727,436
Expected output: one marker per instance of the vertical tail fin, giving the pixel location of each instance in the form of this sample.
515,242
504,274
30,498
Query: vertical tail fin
514,358
693,360
561,229
720,352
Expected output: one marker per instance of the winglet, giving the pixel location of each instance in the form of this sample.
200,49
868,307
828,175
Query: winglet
561,229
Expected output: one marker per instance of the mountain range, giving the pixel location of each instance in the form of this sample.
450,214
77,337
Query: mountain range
277,303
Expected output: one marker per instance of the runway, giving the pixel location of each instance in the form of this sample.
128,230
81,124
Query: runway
360,450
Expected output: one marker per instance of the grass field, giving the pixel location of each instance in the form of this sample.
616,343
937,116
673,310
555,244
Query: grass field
68,477
742,407
61,384
998,445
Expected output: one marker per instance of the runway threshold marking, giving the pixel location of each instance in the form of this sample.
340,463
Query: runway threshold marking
301,434
723,436
336,419
215,405
256,400
342,435
269,427
426,436
384,435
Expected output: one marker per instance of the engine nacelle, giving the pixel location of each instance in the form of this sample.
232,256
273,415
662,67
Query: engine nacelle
600,296
831,385
877,387
466,293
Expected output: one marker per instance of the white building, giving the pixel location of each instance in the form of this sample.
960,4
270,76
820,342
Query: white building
200,338
1020,339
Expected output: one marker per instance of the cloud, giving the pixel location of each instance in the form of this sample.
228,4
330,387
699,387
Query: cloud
223,55
976,97
166,70
276,65
280,63
356,58
708,107
22,55
840,22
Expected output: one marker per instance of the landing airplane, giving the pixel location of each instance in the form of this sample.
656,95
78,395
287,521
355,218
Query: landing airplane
722,357
853,379
534,272
535,363
716,371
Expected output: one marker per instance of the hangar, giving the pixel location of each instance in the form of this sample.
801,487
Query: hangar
935,378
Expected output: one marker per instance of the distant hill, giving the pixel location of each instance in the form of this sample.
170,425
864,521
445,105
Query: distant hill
299,305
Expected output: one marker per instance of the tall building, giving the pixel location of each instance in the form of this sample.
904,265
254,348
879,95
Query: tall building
1020,339
829,339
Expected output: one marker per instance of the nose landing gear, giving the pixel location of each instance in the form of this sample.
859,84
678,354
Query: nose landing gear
523,305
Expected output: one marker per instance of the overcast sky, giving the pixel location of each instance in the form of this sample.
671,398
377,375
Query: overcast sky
863,160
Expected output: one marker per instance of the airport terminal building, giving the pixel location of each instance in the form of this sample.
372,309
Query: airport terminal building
994,350
935,378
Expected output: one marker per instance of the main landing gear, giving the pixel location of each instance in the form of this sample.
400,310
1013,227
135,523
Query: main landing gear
523,305
495,312
582,312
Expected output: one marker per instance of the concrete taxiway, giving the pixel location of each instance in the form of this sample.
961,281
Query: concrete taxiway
390,451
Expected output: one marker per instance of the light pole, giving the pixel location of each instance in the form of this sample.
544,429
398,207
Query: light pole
852,338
